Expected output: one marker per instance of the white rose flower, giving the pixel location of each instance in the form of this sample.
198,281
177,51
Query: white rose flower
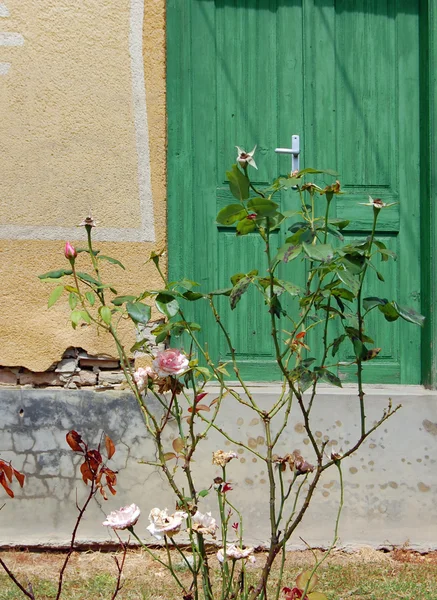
142,375
205,524
235,553
126,517
161,523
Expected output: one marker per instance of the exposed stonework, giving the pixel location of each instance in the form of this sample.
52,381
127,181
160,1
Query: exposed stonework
76,369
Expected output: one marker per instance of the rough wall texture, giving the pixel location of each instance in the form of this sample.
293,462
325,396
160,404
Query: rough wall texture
390,485
82,100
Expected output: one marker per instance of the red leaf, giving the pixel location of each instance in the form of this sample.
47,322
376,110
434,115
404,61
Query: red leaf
4,483
199,397
74,440
8,470
199,407
110,447
20,477
301,335
87,474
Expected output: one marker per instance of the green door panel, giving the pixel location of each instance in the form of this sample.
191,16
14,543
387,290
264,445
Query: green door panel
343,74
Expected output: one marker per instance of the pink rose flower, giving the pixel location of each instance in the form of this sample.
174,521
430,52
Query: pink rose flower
170,362
70,251
126,517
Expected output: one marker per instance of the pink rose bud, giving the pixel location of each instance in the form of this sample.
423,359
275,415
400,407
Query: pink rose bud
70,251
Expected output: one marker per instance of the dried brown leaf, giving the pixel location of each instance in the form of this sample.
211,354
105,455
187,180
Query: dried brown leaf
110,447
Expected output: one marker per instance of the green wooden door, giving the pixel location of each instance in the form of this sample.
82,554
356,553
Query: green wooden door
343,74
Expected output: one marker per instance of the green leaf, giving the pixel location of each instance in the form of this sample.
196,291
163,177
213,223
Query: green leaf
89,279
343,293
373,301
161,332
72,300
238,183
337,343
353,332
410,315
105,313
314,171
238,290
85,316
354,262
360,349
389,311
111,260
222,292
139,312
90,297
330,377
306,380
288,252
167,305
55,295
321,252
350,280
231,214
340,223
203,493
236,278
245,226
206,373
120,300
56,274
192,296
76,317
262,206
178,327
291,288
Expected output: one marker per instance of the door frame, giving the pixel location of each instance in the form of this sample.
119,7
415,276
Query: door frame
179,170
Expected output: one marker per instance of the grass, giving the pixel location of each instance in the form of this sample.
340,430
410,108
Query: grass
367,575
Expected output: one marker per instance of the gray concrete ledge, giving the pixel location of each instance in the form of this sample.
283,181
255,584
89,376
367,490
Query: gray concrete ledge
390,484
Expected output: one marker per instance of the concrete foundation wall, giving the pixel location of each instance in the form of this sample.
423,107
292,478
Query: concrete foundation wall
390,484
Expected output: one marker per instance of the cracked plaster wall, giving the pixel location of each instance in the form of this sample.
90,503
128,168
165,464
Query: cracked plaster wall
390,485
68,145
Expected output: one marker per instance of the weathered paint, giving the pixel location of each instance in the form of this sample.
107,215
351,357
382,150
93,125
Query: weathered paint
77,135
385,482
326,69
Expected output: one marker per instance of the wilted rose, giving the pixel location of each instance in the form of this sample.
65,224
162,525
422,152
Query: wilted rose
204,523
170,362
161,523
126,517
142,376
221,458
235,553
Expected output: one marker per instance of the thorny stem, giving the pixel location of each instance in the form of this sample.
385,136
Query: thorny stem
73,537
361,326
120,567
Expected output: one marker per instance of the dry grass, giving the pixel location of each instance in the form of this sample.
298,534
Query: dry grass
365,575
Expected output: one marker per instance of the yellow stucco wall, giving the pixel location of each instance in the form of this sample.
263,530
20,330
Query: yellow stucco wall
71,132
